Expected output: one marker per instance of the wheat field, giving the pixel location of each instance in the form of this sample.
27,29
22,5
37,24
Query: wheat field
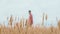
20,29
30,30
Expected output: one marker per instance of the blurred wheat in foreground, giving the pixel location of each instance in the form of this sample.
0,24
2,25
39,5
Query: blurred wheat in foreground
21,28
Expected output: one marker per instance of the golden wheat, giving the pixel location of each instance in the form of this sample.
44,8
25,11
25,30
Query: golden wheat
19,29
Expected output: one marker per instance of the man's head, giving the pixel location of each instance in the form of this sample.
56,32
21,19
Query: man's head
29,11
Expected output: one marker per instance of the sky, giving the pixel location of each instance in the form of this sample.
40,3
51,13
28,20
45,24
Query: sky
38,7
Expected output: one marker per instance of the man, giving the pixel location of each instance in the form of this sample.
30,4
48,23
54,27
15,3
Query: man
29,21
30,18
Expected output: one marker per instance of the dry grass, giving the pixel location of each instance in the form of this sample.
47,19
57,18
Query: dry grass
29,30
59,24
18,29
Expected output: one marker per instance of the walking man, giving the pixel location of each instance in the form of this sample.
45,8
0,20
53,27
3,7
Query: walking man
30,18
